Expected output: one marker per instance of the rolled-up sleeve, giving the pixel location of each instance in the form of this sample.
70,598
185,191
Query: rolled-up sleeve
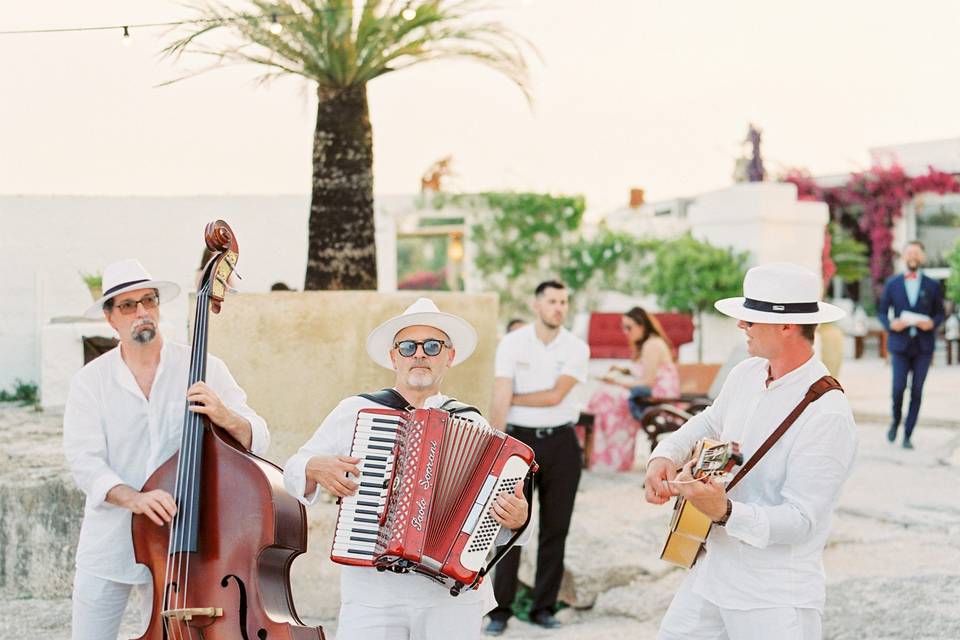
333,437
819,463
85,445
235,399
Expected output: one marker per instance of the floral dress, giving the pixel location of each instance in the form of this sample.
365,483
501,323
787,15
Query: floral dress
614,429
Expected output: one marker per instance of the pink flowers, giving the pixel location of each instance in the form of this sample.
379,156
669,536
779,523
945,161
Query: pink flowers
868,205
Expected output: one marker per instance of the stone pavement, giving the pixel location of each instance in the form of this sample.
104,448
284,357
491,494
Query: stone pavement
892,563
867,383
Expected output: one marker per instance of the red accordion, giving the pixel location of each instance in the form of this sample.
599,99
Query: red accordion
427,482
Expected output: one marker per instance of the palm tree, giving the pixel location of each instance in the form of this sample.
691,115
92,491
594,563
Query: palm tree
341,48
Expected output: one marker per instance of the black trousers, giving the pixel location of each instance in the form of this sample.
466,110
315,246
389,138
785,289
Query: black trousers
559,457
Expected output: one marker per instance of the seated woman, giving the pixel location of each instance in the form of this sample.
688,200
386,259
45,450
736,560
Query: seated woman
650,372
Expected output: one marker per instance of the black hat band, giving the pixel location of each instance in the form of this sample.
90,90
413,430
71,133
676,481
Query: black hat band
776,307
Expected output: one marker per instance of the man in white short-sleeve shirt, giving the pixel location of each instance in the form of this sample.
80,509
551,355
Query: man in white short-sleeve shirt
419,345
123,419
536,368
762,573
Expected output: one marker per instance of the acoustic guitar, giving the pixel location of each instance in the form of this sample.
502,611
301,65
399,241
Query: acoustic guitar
689,526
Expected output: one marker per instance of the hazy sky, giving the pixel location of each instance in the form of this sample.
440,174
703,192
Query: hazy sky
646,93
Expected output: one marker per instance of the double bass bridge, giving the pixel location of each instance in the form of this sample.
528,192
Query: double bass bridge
188,615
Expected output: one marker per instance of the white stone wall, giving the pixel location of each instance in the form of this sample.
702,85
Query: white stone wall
766,219
45,241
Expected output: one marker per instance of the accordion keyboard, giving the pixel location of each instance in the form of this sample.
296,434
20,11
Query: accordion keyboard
356,535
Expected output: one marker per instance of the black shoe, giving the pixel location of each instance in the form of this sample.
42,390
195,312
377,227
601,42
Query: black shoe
495,627
907,444
892,433
545,619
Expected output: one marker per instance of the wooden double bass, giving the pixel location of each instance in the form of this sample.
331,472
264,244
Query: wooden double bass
221,567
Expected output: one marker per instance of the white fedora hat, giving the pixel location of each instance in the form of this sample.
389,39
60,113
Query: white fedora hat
780,293
129,275
422,312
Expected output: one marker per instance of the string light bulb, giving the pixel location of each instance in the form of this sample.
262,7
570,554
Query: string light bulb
275,26
126,39
408,14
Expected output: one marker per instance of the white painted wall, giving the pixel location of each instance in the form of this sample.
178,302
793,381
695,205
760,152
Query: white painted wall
45,241
766,219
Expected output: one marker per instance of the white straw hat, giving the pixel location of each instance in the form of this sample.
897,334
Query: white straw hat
780,293
129,275
422,312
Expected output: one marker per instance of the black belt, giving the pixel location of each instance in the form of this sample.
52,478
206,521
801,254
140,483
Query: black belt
537,432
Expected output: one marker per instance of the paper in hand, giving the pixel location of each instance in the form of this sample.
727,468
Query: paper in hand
913,319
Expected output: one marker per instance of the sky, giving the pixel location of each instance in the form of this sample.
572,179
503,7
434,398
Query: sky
627,93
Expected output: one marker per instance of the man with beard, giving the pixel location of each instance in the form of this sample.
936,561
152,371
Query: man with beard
123,419
917,304
536,367
419,345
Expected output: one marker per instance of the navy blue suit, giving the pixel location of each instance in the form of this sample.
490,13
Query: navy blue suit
910,354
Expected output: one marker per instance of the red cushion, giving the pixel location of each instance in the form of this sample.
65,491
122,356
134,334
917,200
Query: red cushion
607,340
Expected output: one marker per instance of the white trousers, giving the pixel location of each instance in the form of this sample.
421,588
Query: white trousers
448,621
691,616
98,606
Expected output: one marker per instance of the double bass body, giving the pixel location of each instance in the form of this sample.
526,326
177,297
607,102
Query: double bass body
221,567
250,530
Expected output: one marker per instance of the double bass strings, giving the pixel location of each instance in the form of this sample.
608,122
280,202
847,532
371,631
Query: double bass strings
189,454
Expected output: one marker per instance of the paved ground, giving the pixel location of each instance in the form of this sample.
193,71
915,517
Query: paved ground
893,562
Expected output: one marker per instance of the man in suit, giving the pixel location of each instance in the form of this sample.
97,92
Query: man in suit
911,336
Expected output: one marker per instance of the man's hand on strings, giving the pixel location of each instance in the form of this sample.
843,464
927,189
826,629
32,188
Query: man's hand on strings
657,488
708,494
158,505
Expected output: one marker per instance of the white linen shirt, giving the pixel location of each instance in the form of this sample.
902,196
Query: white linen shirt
534,366
113,435
770,553
366,585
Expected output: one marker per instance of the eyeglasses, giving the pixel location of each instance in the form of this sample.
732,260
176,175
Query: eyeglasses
149,301
408,348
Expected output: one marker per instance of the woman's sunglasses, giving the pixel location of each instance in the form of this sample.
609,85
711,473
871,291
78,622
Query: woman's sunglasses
407,348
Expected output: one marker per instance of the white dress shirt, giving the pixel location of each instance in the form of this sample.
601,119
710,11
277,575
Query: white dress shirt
113,435
534,366
366,585
770,553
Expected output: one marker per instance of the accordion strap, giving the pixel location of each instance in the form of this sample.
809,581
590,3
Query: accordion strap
455,407
503,550
391,398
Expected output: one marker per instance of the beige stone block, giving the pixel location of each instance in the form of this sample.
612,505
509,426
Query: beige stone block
297,354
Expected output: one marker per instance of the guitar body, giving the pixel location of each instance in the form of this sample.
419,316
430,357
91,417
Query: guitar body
689,527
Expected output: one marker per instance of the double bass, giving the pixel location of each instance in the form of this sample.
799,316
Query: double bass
221,567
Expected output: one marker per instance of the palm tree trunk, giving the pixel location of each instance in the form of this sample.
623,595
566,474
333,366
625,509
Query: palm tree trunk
341,251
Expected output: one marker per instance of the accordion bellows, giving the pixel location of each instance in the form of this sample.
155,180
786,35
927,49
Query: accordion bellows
427,483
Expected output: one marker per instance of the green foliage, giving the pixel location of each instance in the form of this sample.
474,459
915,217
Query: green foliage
23,392
953,281
519,239
688,276
326,41
609,261
92,279
850,256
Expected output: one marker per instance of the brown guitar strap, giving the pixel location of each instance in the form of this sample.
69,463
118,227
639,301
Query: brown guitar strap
817,389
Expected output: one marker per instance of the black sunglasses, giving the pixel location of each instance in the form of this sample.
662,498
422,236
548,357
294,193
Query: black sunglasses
408,348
